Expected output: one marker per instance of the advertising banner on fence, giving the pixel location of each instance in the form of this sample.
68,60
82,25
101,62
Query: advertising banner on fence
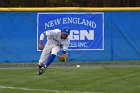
86,28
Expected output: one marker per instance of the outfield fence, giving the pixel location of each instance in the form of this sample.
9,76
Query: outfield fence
97,34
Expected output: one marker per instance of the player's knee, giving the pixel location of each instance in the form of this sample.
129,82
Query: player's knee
54,52
41,62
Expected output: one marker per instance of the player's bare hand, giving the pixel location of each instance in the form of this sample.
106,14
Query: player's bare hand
41,46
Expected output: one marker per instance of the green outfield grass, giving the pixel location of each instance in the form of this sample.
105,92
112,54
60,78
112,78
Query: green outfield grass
71,80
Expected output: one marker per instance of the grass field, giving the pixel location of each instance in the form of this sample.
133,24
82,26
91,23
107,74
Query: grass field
71,80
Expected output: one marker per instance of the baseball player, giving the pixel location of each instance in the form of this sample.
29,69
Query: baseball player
56,40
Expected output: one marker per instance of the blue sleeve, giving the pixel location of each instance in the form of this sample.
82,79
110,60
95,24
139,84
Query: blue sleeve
63,52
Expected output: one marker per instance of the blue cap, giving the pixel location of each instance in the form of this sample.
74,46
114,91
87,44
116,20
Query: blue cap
66,31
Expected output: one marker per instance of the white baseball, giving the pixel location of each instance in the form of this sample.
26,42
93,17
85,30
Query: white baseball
78,66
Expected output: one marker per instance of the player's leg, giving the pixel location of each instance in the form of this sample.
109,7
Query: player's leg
52,56
43,58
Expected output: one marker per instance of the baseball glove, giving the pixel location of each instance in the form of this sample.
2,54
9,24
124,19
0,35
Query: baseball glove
63,58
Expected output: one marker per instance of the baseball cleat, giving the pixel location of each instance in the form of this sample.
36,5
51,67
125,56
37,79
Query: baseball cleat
41,70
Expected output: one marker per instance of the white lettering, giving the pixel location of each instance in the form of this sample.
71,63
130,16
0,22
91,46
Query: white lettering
73,44
80,21
84,34
81,35
82,44
74,35
52,23
64,20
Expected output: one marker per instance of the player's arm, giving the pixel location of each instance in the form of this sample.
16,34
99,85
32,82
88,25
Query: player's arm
64,53
42,36
48,33
65,47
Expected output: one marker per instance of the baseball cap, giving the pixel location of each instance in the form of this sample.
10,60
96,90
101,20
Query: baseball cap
66,31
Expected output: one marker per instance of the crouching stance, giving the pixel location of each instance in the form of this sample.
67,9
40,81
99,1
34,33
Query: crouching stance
56,40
